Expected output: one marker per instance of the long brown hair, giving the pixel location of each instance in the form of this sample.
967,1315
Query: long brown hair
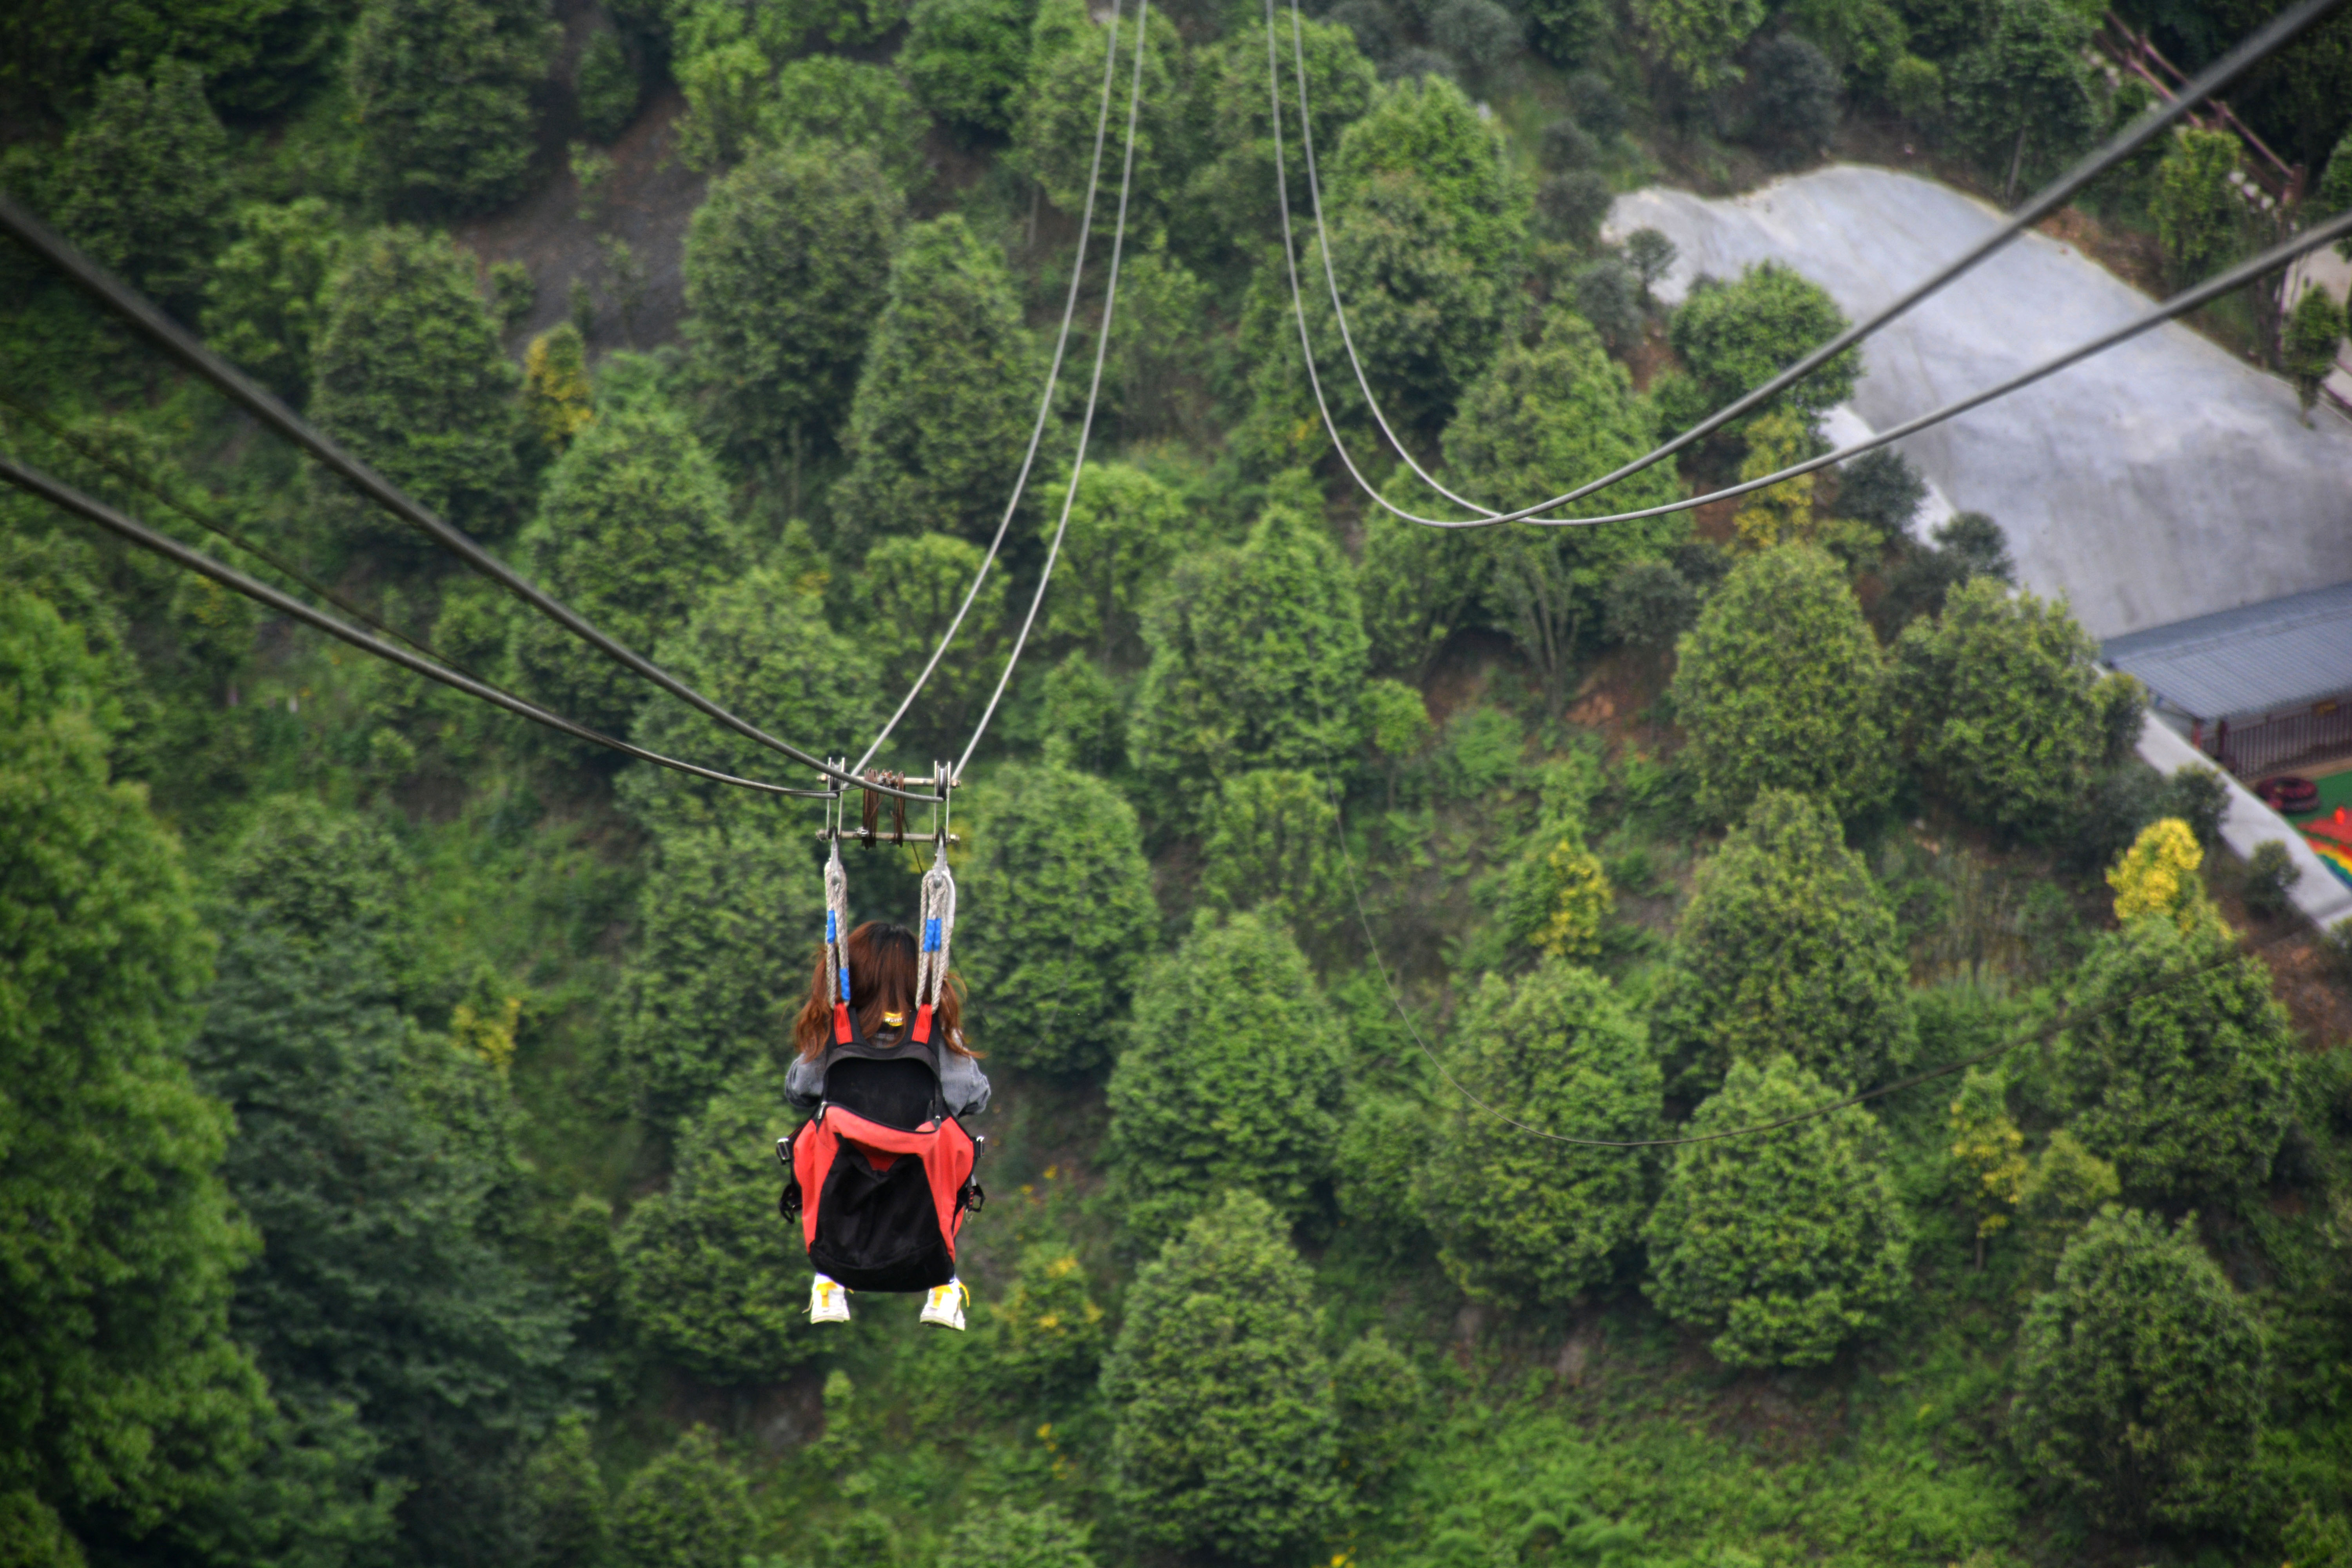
882,963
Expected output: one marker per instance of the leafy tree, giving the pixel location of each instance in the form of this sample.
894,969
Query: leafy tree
906,596
257,55
1649,604
1526,1222
967,60
1788,1244
1011,1537
1780,687
380,1161
442,89
2140,1378
124,1397
2025,94
1059,918
1608,295
1054,140
264,301
1883,489
2157,874
1046,1340
1080,718
1968,545
1272,846
566,1519
1231,1077
1155,377
2196,207
1794,102
1419,585
699,1262
1481,34
2314,330
826,98
407,374
781,292
1541,420
1734,337
2270,874
142,183
2185,1089
608,87
1567,145
557,398
1696,38
687,1508
1427,233
946,399
724,911
1237,182
1788,946
1566,31
1223,1442
723,86
1379,1400
1573,206
1257,659
2003,707
1125,529
2334,193
2064,1187
757,644
632,528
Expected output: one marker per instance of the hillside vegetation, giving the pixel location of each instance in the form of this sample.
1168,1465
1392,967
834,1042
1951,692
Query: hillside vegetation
390,1087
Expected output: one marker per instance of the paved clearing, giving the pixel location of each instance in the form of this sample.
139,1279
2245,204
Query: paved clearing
2160,481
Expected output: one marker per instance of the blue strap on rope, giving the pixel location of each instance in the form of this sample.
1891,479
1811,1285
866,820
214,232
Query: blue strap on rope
845,982
931,934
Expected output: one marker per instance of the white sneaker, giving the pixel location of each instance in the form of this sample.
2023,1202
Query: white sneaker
828,1302
943,1304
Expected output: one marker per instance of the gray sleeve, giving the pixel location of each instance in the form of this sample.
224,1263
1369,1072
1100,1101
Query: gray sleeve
963,1085
803,1086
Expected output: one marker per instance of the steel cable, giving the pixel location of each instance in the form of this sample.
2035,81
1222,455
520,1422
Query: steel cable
2158,118
1094,391
34,482
1044,407
183,346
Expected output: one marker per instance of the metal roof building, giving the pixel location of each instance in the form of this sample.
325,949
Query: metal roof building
2278,673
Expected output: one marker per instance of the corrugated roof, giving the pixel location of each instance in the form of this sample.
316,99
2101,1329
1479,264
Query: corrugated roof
2259,658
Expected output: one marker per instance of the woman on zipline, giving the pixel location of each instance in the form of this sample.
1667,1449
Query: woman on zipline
868,1057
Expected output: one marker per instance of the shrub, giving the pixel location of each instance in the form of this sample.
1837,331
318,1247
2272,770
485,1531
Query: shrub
2271,875
1788,1244
266,299
1257,660
2004,708
1125,530
1046,1339
442,90
1916,87
1573,206
1272,845
1734,337
1567,145
2022,83
2140,1378
1696,38
687,1508
1608,295
1058,918
700,1261
608,87
781,292
1883,489
966,60
557,398
2198,795
1794,102
1479,33
1780,686
408,372
632,528
1004,1536
1522,1221
1231,1079
142,181
2187,1087
2196,207
2314,329
1788,946
1379,1402
824,101
2157,874
1221,1399
947,396
1649,604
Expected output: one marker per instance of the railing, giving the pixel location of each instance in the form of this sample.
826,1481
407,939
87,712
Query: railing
2253,749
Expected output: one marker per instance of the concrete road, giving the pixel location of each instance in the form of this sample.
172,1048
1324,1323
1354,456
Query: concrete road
2160,481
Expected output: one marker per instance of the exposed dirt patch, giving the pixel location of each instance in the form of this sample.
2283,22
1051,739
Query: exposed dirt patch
629,252
2134,258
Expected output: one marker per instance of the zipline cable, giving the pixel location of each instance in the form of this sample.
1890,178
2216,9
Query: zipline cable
183,346
2066,1019
1094,391
133,477
1045,407
2157,118
2180,304
34,482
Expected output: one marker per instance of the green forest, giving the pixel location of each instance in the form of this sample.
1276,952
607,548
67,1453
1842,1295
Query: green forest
391,1086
